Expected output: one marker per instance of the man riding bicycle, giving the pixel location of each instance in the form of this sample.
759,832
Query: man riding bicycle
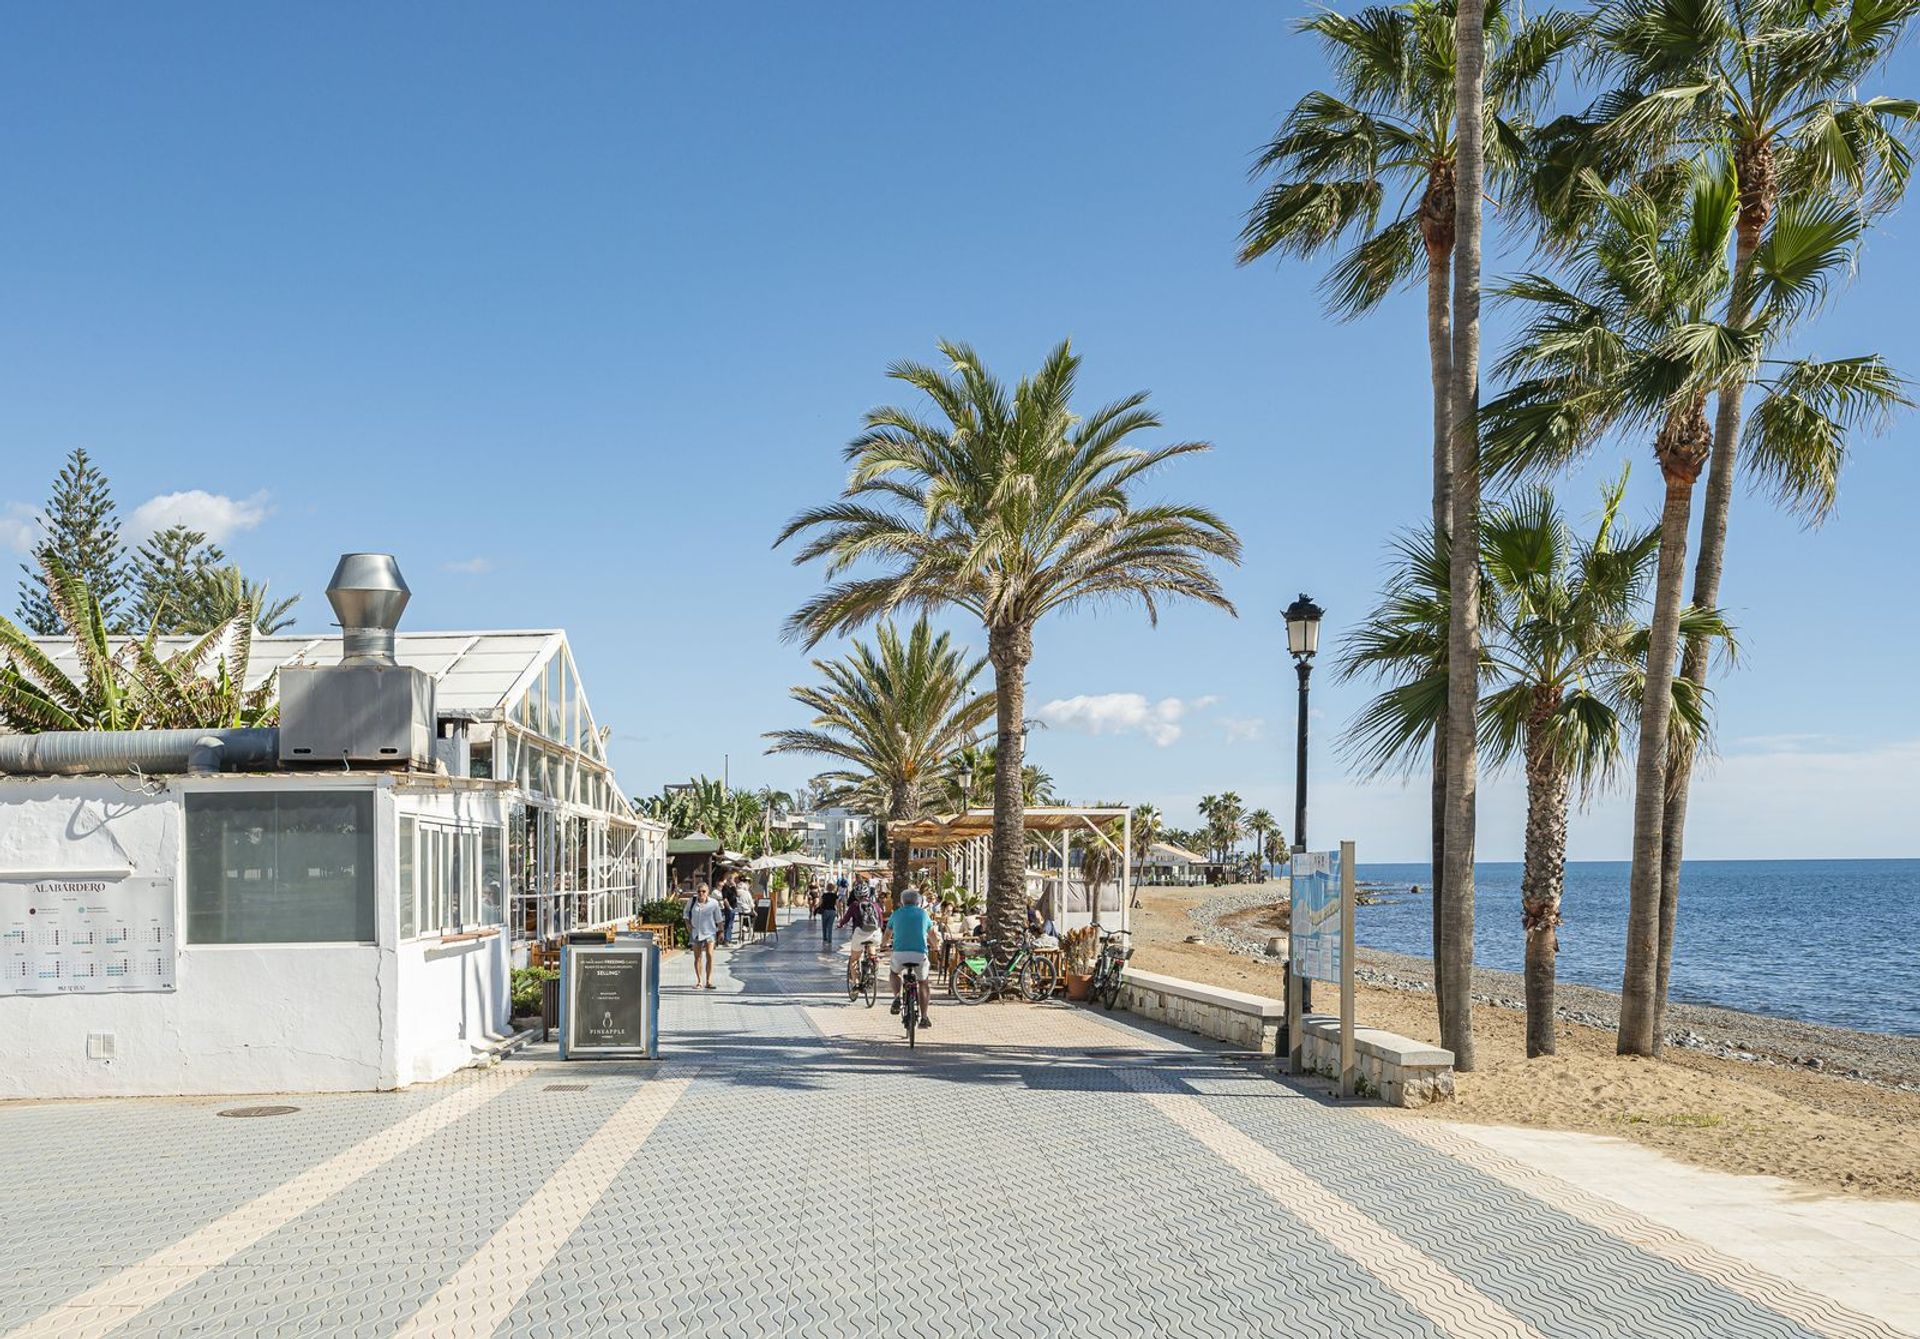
908,929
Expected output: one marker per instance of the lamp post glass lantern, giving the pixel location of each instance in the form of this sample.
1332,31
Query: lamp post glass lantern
1303,639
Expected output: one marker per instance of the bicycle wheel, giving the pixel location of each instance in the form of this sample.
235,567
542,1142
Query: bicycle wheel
1036,981
972,984
853,978
870,981
1110,986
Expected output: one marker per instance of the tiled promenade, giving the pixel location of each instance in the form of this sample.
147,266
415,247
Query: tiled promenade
793,1170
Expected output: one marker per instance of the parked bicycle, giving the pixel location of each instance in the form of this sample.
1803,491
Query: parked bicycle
977,978
1108,967
863,975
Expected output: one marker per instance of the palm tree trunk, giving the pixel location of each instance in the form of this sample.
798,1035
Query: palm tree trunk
1637,985
1463,633
1010,648
1544,875
1440,359
899,809
1714,508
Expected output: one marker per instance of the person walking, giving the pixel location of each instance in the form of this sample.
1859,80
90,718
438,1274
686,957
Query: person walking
829,902
703,924
729,909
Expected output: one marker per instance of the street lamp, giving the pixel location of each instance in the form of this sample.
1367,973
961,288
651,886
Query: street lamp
1303,639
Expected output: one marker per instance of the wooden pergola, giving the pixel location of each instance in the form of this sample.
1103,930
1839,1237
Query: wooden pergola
964,839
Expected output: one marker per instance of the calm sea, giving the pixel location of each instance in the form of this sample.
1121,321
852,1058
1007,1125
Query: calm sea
1829,941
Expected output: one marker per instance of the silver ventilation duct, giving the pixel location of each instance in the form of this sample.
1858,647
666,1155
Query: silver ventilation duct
197,752
368,710
368,595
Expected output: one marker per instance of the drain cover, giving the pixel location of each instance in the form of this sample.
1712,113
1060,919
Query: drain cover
566,1087
259,1111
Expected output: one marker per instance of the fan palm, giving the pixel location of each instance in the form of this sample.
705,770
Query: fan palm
1009,506
1563,654
893,714
1638,342
1773,87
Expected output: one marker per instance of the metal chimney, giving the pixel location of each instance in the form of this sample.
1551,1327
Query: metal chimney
368,595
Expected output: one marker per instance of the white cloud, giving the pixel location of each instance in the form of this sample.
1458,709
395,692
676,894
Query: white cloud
469,566
1122,713
19,527
213,514
1243,729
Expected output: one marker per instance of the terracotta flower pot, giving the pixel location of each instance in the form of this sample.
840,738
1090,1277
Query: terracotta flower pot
1078,985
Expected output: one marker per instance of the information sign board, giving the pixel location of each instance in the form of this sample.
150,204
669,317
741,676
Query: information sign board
86,935
609,1000
1315,922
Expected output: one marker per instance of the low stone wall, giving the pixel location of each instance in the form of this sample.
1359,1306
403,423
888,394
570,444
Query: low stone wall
1400,1071
1250,1022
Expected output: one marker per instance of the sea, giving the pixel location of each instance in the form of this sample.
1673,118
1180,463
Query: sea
1827,941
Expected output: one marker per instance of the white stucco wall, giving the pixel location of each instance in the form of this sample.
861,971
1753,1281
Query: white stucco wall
244,1018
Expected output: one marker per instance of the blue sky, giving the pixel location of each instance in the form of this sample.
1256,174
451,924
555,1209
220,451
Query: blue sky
572,307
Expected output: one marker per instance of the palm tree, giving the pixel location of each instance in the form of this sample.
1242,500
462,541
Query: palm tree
1569,656
1775,88
1390,131
227,590
1453,958
1261,826
1636,343
201,686
893,714
1564,655
1009,506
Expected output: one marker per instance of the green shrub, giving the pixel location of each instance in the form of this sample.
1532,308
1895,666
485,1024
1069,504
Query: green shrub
668,911
528,989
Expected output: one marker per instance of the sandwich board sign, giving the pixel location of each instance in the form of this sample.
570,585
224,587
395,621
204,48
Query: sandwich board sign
1320,948
609,1001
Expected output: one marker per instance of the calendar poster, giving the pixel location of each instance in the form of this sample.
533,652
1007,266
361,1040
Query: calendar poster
85,935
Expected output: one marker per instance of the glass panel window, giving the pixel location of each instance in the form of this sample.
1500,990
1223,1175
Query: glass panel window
492,904
280,867
408,889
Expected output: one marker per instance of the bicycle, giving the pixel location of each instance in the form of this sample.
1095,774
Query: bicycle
910,999
1108,967
978,979
863,976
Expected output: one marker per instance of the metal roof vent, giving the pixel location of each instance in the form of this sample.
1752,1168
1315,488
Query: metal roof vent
368,594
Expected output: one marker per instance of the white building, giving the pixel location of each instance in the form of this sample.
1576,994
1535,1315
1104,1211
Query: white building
182,922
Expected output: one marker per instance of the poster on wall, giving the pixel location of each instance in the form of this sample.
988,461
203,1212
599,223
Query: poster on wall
1316,914
82,936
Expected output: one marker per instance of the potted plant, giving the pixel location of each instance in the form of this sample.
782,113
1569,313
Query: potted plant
1078,948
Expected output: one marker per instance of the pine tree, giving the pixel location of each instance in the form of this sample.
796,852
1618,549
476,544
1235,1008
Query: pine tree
177,580
83,532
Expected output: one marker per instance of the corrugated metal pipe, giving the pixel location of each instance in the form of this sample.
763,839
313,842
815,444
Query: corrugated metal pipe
196,752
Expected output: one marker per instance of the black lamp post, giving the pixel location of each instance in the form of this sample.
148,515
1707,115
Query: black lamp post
1303,639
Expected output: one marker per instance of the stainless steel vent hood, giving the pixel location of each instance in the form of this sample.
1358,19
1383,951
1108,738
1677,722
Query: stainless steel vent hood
369,709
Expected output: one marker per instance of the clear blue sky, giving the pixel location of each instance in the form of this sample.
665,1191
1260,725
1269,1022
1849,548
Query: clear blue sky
590,296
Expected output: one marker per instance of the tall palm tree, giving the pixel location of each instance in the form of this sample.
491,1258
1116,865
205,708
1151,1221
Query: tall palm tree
1385,145
893,714
1261,825
1774,87
1453,956
1637,341
1010,506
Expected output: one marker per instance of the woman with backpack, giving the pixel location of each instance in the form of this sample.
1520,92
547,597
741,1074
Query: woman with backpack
863,914
829,899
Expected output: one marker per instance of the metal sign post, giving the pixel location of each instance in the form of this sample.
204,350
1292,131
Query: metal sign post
1320,948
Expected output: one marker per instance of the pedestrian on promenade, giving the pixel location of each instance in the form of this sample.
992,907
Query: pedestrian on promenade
703,924
829,901
729,909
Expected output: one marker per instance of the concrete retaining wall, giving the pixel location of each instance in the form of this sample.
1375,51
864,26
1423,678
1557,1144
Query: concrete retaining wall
1250,1022
1398,1070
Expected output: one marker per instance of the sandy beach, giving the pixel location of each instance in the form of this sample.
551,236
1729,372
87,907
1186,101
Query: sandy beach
1826,1107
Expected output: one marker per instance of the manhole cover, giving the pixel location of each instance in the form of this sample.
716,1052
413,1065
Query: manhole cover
566,1087
259,1111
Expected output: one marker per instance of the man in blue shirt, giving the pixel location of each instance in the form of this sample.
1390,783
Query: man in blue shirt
908,929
